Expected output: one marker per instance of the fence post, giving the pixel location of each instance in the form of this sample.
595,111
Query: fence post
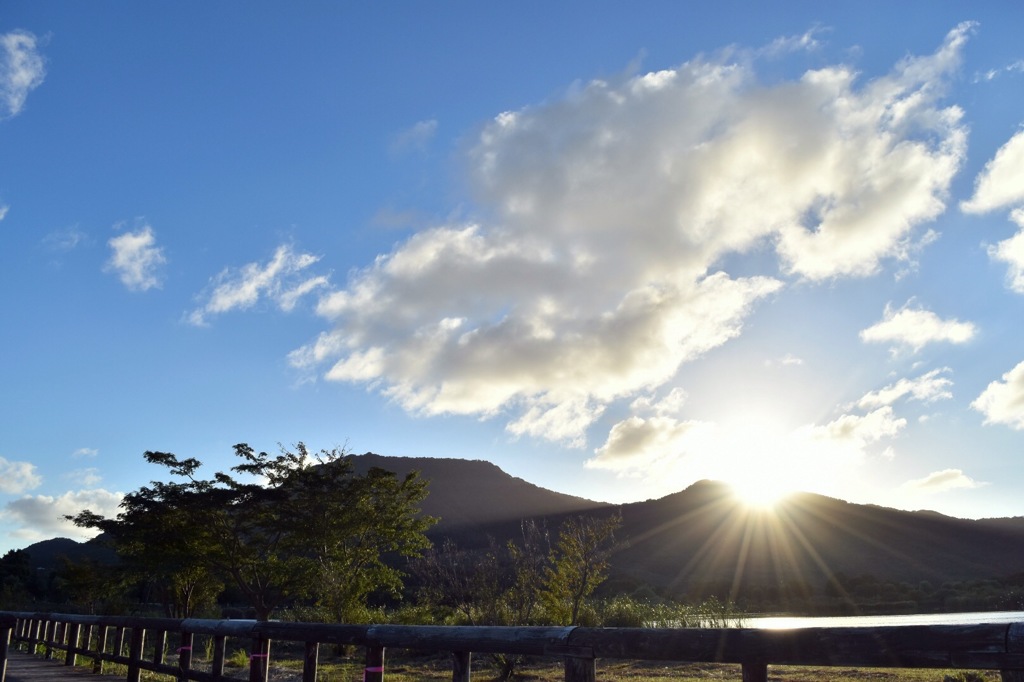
48,638
755,672
5,646
138,641
220,643
37,626
374,670
159,646
310,660
578,669
461,661
259,660
185,655
101,649
119,641
71,656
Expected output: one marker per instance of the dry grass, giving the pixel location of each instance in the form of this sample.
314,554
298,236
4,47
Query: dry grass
439,668
423,668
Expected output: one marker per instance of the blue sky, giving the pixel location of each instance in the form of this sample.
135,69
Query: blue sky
613,248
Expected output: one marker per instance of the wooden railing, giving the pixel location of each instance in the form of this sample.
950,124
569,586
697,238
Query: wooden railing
104,638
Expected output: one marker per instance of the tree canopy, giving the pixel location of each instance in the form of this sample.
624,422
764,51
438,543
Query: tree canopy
297,526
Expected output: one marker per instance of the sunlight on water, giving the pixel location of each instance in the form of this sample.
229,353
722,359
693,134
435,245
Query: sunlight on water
974,618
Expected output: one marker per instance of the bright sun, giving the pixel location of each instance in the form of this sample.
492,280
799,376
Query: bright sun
758,458
761,492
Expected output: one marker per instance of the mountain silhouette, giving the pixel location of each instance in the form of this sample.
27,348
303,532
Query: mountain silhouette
703,540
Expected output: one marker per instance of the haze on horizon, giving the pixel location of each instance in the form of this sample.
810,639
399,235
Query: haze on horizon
779,248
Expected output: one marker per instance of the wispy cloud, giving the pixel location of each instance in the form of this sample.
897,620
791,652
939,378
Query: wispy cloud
89,477
788,360
282,280
136,259
66,239
914,328
17,477
22,69
804,42
4,208
928,387
85,452
597,274
941,481
415,138
991,74
1002,402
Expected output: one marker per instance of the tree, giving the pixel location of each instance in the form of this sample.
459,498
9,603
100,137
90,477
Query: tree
298,526
160,541
16,579
578,564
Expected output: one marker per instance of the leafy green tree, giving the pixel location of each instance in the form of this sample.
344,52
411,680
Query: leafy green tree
280,528
159,541
92,586
497,586
578,563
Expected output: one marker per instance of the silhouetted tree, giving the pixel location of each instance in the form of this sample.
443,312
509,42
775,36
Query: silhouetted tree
299,525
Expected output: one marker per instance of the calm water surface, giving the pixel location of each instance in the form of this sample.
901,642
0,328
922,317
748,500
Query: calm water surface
786,622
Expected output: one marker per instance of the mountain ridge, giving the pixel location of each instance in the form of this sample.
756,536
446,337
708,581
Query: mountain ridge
704,540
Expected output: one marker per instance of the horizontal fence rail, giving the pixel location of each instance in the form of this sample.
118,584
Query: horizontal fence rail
104,639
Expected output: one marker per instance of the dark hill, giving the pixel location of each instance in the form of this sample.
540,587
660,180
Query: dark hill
703,536
47,555
474,493
702,540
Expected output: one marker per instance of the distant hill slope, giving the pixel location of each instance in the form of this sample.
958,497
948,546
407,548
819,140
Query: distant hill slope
47,554
703,536
470,493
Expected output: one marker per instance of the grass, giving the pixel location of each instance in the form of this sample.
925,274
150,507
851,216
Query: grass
438,667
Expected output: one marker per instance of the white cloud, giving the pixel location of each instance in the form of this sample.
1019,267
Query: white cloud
928,388
639,441
941,481
17,477
858,431
282,280
915,328
1001,183
21,70
89,477
596,273
664,450
41,517
788,360
136,259
805,42
1011,252
1002,402
417,137
85,452
4,208
66,239
990,75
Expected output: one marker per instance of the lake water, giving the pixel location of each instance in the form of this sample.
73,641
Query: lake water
974,618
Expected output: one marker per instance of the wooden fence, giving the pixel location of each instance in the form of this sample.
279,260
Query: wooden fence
104,639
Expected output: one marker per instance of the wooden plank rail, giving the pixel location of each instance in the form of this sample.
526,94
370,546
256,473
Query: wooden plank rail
988,647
